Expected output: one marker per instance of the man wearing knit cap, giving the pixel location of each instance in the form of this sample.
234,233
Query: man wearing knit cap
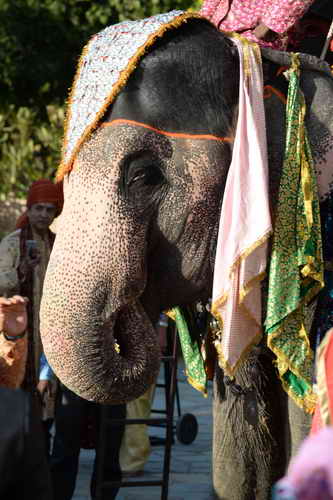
24,255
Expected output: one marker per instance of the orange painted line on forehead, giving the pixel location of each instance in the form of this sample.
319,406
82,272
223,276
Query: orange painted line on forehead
168,134
269,91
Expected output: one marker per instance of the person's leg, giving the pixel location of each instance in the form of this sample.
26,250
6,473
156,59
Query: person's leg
135,447
111,442
47,424
70,410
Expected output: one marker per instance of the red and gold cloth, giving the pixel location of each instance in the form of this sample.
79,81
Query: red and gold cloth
324,410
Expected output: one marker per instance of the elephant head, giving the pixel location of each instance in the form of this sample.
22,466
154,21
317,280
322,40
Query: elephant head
139,226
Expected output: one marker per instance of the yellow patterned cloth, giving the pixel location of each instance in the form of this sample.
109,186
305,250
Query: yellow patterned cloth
296,267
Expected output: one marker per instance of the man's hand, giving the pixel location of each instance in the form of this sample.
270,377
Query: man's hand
44,386
13,315
263,32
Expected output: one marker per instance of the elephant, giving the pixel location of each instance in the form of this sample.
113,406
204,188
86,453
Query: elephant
138,234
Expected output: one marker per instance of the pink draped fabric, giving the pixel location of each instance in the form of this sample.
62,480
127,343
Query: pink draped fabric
245,15
310,473
245,223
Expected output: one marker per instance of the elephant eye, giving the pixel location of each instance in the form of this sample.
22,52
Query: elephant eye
149,175
142,179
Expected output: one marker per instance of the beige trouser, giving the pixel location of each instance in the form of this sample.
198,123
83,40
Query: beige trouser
135,446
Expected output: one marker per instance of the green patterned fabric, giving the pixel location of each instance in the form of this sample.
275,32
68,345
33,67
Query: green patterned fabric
195,369
296,266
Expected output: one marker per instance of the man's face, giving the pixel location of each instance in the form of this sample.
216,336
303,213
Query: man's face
41,215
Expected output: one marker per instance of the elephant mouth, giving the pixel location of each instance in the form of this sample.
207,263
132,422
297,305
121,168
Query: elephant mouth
130,334
124,325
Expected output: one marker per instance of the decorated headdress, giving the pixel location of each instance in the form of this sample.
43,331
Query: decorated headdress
106,63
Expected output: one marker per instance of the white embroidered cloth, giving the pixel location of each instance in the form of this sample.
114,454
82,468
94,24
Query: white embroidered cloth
105,65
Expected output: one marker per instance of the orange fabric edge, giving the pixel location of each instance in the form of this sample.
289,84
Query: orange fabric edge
269,90
169,134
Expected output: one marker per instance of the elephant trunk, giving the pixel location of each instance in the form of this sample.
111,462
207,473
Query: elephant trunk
114,363
95,332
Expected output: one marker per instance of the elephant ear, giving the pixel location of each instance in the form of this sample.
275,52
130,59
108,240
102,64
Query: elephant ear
106,63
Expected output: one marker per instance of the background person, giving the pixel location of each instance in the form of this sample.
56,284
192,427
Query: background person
24,473
135,447
71,416
24,255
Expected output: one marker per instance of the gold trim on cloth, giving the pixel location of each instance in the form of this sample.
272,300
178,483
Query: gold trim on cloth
196,385
247,288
